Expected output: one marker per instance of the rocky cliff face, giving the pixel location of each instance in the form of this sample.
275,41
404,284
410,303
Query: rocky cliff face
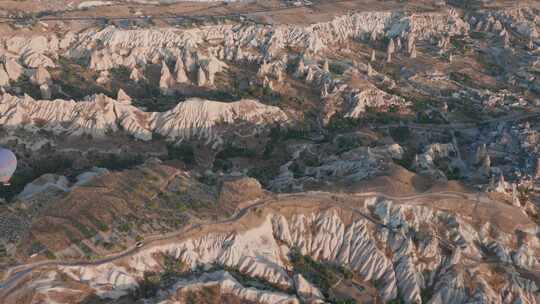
369,92
199,54
100,115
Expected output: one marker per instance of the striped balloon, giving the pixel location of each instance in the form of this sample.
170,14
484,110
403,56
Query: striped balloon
8,164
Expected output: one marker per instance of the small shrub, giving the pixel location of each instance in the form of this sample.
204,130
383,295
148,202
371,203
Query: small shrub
148,286
125,227
183,152
338,68
400,134
322,275
120,73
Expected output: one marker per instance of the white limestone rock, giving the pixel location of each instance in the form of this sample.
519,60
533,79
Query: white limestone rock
213,67
4,77
41,76
45,91
390,50
195,117
326,66
180,72
375,98
123,97
104,77
13,69
413,53
306,291
227,284
301,69
101,61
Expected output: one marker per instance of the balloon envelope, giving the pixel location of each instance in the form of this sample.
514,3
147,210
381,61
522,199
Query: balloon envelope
8,164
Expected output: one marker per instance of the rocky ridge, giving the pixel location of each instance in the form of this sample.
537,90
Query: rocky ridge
99,115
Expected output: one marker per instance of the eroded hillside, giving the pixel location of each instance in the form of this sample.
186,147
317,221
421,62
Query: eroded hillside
270,152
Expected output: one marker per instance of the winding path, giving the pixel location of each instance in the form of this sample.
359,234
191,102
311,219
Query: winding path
15,274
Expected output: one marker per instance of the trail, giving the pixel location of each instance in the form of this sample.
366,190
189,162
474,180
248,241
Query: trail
14,274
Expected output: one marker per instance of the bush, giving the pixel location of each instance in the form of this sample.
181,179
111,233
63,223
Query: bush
99,224
278,133
343,124
125,227
148,286
50,255
173,264
222,161
322,275
120,73
346,143
452,173
116,162
338,68
27,87
231,151
87,232
36,247
183,152
263,174
400,134
222,164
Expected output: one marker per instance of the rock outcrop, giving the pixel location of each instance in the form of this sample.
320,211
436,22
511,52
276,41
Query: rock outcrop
425,163
228,285
306,291
166,82
198,118
40,76
180,71
136,75
13,69
99,114
123,97
375,99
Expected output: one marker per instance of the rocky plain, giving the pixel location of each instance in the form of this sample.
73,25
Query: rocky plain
270,152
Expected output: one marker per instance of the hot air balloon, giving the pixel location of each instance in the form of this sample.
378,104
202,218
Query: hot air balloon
8,164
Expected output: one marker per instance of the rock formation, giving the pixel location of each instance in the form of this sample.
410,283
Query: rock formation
166,82
180,71
201,77
390,50
401,249
425,162
136,75
123,97
192,118
40,76
13,69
